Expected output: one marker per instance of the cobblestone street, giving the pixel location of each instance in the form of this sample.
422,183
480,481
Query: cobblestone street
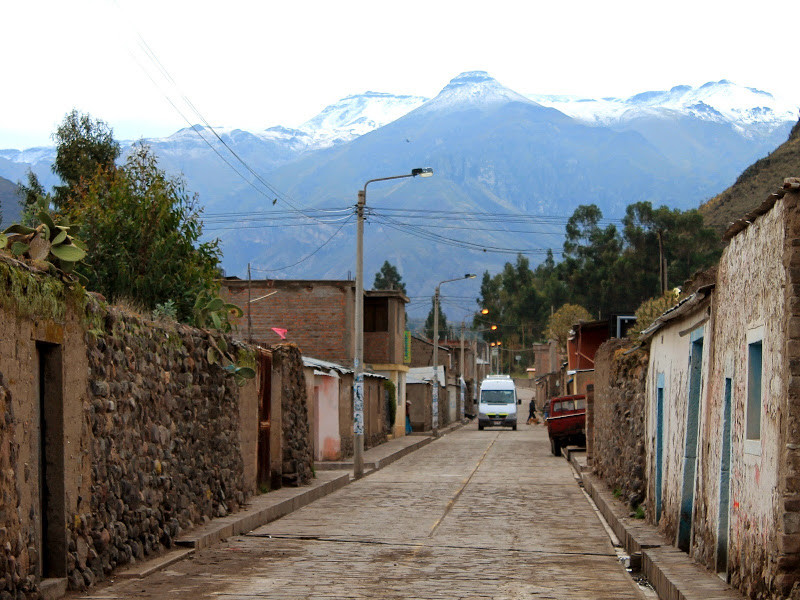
476,514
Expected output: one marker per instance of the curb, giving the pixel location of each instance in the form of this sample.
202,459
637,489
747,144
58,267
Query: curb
672,573
261,510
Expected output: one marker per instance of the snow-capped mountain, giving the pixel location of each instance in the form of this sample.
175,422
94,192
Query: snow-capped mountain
493,150
354,116
748,109
475,90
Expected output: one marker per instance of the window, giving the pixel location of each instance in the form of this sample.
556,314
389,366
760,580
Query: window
754,365
376,314
497,396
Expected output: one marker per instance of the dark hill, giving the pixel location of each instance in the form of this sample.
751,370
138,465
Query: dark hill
755,183
9,202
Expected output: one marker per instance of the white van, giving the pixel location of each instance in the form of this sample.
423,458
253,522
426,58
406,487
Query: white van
497,405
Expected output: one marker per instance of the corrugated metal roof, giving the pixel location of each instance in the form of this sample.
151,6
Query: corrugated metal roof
425,374
684,307
323,367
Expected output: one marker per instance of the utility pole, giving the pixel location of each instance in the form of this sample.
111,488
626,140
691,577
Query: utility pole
475,379
249,318
358,362
662,264
462,382
435,402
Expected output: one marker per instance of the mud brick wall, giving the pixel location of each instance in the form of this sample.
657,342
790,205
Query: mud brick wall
17,549
619,427
165,452
297,452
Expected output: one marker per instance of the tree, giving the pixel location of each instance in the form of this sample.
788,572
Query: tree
591,262
388,278
443,328
31,194
83,147
561,322
142,230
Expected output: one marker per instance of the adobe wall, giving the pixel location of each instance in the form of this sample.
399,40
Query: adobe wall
38,312
751,298
618,455
145,437
788,509
670,349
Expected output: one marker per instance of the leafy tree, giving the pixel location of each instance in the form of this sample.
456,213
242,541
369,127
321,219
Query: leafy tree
561,322
32,194
591,261
84,146
443,328
686,244
388,278
142,230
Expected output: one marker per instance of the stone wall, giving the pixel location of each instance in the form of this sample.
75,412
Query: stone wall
297,450
619,427
165,451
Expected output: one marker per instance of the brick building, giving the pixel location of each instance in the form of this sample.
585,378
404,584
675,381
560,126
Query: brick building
319,317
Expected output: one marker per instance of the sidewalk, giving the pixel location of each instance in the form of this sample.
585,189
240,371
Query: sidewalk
672,573
265,508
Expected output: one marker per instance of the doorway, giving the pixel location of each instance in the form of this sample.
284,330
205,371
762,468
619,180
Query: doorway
724,483
52,530
263,478
690,449
659,442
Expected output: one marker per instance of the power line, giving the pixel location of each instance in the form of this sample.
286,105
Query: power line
306,257
151,55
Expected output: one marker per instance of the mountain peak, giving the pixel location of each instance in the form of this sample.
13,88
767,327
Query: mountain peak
473,89
471,77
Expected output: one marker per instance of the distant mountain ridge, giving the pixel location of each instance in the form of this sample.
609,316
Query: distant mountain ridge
493,150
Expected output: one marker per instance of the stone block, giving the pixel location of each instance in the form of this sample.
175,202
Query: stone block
789,543
791,523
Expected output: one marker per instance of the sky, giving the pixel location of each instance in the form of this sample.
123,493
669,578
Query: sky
253,65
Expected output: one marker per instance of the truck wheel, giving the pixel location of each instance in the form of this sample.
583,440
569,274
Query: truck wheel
555,446
480,426
514,427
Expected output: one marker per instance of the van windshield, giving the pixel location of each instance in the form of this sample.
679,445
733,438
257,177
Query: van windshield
497,396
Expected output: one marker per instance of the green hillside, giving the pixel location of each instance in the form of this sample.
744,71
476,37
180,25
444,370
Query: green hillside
755,183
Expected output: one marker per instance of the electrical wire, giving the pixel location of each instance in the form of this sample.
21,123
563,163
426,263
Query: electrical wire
274,191
306,257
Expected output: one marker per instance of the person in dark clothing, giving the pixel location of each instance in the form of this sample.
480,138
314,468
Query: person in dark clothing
532,412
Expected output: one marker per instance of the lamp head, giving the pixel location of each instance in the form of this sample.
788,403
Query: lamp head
469,276
484,311
427,172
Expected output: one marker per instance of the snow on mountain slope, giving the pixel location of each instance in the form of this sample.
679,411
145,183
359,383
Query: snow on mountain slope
476,89
718,101
356,115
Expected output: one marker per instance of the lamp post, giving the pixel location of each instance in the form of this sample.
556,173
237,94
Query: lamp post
435,411
358,361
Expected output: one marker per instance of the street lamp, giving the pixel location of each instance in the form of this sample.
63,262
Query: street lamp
358,362
435,410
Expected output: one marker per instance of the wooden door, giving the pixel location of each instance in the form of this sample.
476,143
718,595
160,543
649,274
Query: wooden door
264,414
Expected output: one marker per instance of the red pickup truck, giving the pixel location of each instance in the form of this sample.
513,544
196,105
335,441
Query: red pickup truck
566,422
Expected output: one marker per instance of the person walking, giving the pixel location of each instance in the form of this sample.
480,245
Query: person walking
532,412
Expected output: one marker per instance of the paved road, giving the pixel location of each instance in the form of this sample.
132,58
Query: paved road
476,514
